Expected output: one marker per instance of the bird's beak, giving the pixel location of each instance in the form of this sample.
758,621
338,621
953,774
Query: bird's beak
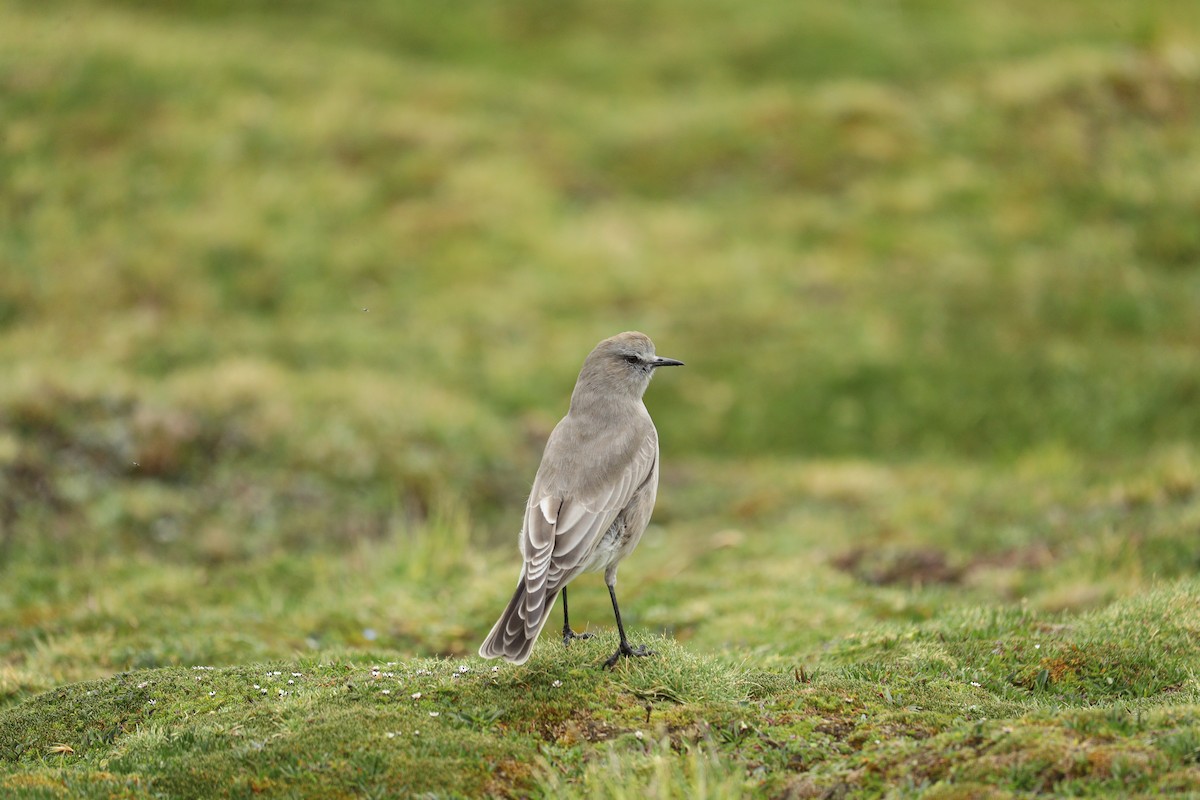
659,361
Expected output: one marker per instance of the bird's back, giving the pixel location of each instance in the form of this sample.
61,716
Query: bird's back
588,451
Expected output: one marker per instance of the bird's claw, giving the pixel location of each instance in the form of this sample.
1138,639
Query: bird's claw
569,634
626,649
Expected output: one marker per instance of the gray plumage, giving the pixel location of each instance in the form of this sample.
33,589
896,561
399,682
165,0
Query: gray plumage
592,496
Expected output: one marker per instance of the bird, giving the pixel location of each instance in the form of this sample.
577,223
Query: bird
591,498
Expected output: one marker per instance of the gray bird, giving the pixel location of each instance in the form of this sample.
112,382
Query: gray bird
592,497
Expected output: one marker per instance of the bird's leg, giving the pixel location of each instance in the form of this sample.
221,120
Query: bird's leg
624,649
569,634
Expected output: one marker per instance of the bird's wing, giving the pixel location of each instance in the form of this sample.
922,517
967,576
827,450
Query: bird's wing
562,526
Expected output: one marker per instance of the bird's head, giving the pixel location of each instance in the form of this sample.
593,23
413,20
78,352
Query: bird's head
620,365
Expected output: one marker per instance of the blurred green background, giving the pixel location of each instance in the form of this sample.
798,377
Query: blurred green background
291,294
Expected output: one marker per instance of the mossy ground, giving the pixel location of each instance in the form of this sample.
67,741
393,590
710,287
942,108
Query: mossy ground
290,297
916,710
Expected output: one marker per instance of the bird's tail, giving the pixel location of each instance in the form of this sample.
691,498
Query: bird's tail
513,635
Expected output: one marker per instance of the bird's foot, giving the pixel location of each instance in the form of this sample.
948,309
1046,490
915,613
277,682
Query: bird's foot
569,634
627,650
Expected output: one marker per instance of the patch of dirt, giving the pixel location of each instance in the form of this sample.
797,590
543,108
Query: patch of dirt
584,729
910,567
510,773
924,566
837,728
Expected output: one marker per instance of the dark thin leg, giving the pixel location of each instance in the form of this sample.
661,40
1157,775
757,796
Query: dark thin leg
625,649
569,634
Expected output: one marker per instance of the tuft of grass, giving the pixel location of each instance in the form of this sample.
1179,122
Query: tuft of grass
638,766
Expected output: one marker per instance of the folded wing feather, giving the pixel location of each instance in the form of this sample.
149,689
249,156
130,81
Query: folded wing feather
561,531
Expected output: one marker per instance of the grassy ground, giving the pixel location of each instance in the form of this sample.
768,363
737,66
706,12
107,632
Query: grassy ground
291,296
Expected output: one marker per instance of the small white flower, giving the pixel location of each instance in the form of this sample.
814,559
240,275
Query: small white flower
975,683
291,681
143,685
638,734
391,735
295,674
263,691
495,669
277,672
386,691
416,733
556,684
153,702
434,713
212,694
1037,647
464,668
416,695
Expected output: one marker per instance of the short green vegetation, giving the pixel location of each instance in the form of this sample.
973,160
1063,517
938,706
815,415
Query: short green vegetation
291,294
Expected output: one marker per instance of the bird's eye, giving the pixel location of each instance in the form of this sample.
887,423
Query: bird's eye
632,359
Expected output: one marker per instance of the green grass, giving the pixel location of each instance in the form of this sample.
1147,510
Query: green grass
291,295
947,703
